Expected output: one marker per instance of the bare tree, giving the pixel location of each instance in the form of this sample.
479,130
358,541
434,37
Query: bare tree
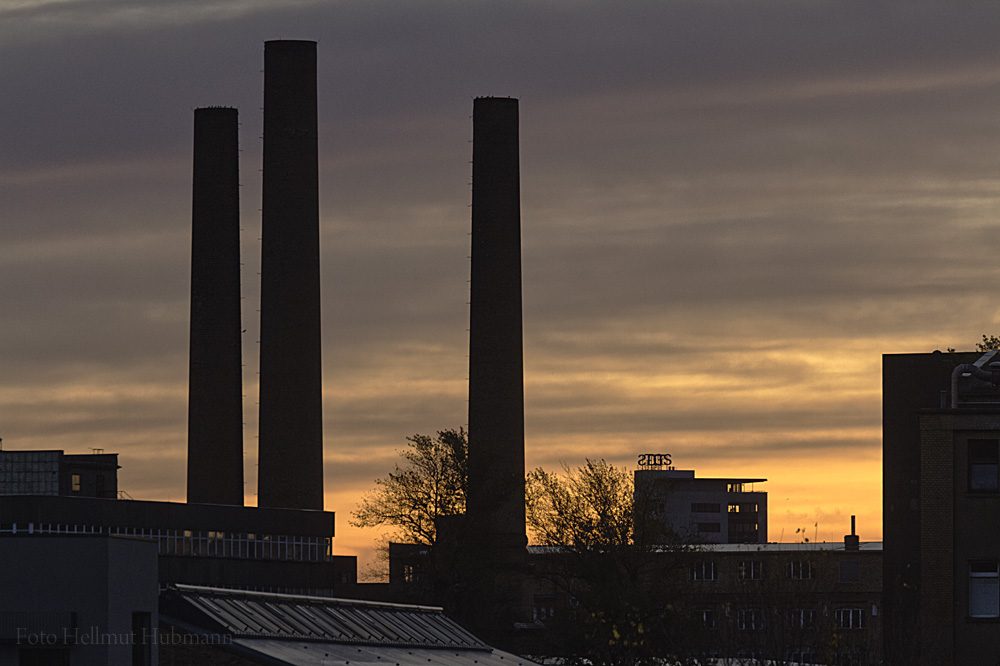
617,604
430,482
989,343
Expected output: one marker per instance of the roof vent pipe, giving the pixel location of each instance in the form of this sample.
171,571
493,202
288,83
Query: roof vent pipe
976,370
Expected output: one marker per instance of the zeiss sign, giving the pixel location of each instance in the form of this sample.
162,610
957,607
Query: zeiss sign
655,460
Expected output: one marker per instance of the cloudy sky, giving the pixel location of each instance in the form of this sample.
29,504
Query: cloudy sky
730,210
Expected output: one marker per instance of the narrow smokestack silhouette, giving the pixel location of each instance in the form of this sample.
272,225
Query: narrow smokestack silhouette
495,503
291,410
215,389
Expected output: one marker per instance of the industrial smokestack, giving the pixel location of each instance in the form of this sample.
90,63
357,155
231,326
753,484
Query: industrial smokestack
291,410
215,389
495,503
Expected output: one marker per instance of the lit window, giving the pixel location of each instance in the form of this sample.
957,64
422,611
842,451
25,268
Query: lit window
75,483
984,589
704,571
984,465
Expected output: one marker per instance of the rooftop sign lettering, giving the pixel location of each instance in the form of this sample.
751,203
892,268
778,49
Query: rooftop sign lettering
654,460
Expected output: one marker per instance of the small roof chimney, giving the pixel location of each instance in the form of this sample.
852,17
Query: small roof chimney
852,541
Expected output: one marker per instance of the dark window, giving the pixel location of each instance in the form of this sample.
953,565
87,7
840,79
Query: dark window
708,617
705,507
800,570
749,619
751,570
544,607
850,572
703,571
984,465
850,658
709,527
43,656
142,639
803,656
801,618
850,618
984,589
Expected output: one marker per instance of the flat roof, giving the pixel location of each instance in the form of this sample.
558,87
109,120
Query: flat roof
117,513
771,547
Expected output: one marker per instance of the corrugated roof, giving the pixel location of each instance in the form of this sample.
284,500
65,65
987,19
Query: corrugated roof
326,654
345,621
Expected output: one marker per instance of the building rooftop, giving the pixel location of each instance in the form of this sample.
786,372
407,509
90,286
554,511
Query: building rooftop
772,547
309,630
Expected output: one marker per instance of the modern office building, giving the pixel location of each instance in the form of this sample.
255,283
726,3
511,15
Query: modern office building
941,504
701,510
57,473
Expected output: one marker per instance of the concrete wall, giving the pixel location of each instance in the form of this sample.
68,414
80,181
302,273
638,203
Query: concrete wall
77,594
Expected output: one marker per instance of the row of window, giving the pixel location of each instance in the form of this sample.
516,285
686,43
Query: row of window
197,543
754,619
844,657
706,570
734,527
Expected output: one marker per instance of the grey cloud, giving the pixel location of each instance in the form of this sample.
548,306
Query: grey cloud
696,176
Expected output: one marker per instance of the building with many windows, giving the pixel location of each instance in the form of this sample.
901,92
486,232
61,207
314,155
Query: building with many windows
256,548
807,603
58,473
703,510
941,504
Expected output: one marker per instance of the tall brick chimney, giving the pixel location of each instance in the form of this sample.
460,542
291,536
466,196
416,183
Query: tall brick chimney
291,409
495,503
215,388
